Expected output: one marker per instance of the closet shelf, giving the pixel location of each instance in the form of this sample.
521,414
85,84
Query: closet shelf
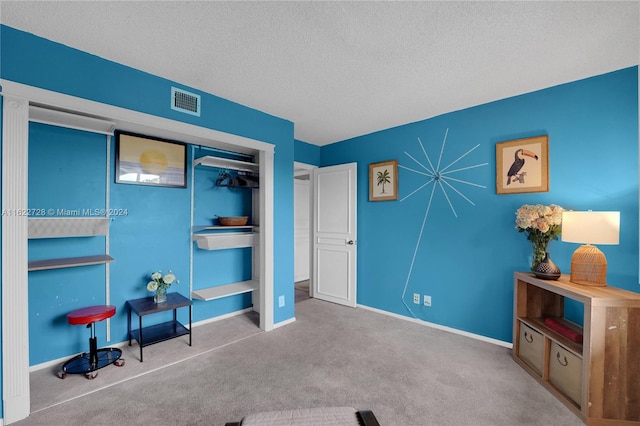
223,228
539,325
62,227
225,240
217,292
226,163
40,265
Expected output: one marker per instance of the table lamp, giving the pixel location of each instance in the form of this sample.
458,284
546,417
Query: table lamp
588,263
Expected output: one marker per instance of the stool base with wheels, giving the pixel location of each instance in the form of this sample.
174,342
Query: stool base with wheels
88,363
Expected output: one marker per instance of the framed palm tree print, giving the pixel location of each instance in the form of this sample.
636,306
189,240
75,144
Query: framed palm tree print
383,181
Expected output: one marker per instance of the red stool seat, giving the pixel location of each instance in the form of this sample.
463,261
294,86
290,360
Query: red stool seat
89,362
91,314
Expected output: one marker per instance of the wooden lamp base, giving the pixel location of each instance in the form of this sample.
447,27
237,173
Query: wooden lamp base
589,266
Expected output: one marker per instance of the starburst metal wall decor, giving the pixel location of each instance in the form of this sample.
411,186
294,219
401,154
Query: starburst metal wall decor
436,177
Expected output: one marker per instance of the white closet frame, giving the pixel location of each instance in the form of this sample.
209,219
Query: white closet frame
17,98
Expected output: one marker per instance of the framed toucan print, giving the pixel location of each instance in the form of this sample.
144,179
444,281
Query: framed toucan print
522,165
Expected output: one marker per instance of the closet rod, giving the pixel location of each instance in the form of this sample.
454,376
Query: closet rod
73,121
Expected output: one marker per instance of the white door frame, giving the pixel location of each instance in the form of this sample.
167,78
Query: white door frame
15,124
15,290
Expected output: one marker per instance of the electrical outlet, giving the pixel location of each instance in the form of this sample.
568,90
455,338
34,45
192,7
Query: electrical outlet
427,300
416,298
281,301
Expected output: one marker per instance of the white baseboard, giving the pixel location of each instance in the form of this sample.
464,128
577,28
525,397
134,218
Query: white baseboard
60,361
440,327
283,323
221,317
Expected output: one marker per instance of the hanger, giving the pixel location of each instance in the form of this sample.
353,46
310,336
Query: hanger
247,180
224,179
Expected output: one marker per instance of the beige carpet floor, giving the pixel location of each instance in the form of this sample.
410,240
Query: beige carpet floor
47,389
406,373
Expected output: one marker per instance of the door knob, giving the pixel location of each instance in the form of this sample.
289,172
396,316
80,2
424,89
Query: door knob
351,242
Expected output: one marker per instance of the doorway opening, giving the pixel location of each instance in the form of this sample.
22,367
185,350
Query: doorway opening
303,214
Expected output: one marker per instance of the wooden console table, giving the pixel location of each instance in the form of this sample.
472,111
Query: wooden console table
146,336
599,378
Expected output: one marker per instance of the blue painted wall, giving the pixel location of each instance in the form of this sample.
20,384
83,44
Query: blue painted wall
465,260
306,152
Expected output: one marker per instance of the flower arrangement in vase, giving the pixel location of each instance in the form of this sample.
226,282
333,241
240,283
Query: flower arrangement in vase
542,224
160,284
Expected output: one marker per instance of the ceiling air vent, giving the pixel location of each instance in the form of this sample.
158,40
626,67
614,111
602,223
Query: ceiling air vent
184,101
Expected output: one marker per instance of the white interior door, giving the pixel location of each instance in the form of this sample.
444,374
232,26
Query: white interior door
334,234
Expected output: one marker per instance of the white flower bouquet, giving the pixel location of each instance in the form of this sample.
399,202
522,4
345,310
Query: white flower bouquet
160,284
542,224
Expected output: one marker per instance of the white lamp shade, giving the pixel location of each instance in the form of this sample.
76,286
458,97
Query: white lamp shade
591,227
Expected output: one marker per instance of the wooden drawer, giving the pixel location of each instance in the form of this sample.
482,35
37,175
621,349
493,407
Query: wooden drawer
531,347
565,372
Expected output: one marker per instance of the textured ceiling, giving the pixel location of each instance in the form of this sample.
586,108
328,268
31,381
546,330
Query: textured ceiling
343,69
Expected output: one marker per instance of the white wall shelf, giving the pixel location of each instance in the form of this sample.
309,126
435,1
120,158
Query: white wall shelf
223,241
63,227
66,227
226,163
222,228
68,262
256,236
217,292
218,237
